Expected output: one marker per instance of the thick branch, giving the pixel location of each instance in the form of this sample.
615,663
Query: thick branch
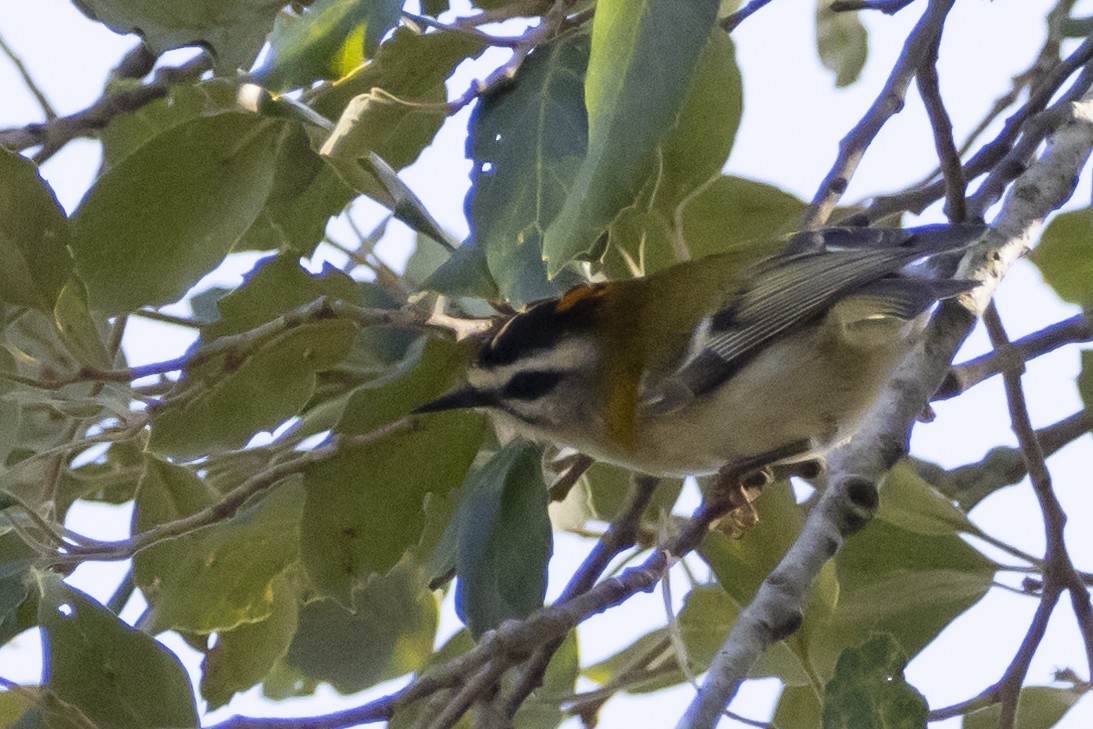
882,437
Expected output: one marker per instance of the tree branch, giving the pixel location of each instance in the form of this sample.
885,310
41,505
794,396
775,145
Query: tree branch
55,133
244,342
620,536
964,376
918,198
968,485
952,171
882,437
224,509
888,103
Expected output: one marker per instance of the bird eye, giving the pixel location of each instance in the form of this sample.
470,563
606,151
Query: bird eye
531,385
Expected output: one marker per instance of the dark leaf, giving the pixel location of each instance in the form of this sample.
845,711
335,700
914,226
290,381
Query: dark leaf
869,690
505,540
527,140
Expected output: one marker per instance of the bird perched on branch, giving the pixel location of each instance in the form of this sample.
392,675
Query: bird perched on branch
714,363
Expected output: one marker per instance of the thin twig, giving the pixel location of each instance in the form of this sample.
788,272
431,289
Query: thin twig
964,376
952,171
888,103
888,7
470,30
228,506
1059,573
28,80
731,21
917,198
53,134
321,309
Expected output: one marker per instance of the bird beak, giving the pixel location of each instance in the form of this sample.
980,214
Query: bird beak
468,397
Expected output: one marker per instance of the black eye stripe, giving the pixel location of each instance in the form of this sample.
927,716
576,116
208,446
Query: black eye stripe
531,385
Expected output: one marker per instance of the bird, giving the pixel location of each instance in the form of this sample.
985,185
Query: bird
721,360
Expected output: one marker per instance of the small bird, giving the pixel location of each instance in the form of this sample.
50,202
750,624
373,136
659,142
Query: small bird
720,360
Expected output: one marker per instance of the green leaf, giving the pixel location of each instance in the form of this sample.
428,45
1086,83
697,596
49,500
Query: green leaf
1039,707
1063,256
411,68
527,140
869,690
34,236
306,193
245,655
910,502
390,633
364,505
644,55
276,285
13,704
220,405
842,42
168,213
798,706
741,565
220,577
699,145
904,583
234,30
465,273
11,410
118,677
77,328
330,39
126,133
505,540
733,212
609,487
